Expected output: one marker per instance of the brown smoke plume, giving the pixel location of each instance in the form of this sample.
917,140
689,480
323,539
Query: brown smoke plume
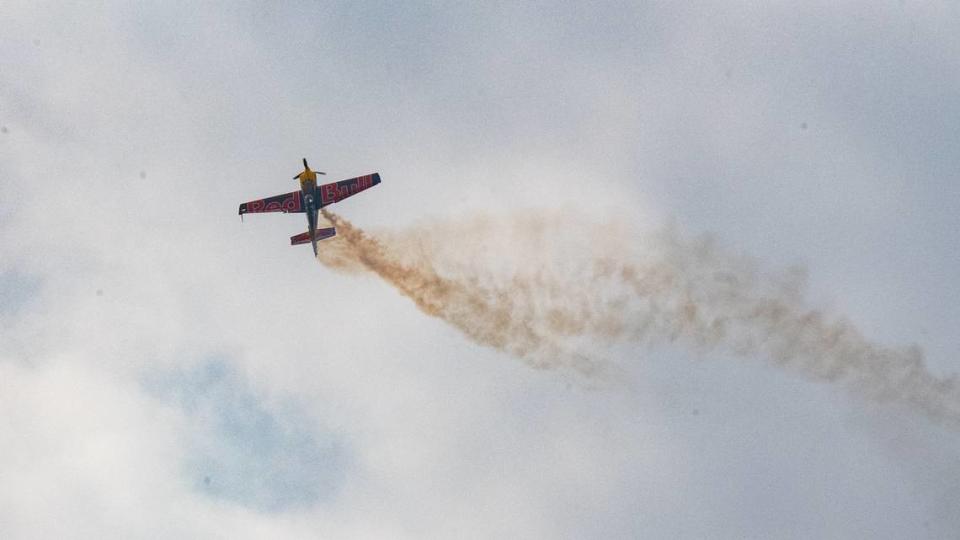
549,287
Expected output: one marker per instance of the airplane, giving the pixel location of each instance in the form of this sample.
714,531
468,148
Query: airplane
309,200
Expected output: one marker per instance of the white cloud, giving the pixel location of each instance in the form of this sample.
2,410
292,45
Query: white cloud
668,112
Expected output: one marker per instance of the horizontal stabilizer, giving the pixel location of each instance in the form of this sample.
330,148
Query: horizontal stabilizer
321,234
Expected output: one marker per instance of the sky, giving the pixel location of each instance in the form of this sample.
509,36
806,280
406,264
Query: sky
168,371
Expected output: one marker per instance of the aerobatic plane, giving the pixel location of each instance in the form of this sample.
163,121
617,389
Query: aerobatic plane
309,200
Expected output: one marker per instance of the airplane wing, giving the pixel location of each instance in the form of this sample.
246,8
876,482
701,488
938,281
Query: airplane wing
288,202
338,191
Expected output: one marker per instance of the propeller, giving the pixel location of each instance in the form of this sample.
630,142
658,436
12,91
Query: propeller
305,166
318,172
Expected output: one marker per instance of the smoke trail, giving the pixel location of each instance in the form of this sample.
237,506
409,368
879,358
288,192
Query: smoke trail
549,288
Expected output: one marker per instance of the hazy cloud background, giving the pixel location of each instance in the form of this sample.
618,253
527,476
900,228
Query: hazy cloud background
167,371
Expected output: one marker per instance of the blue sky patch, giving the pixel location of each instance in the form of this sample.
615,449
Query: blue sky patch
16,290
242,451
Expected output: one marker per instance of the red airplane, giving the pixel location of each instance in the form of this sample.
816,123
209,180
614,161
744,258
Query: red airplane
310,199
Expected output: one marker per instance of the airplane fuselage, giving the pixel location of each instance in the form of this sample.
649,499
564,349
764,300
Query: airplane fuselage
308,181
308,187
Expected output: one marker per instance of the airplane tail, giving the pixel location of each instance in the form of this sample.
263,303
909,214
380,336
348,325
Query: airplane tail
321,234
